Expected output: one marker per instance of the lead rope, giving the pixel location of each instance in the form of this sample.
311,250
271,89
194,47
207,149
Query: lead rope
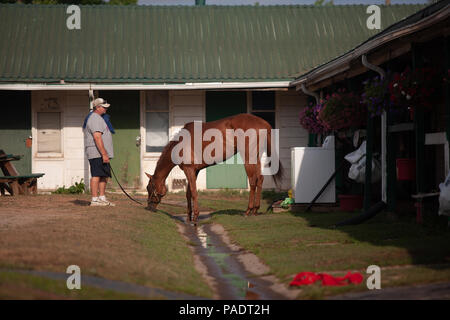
122,187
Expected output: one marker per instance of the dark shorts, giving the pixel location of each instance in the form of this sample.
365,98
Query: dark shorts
99,169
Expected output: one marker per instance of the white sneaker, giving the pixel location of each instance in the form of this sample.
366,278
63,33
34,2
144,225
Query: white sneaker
98,203
106,203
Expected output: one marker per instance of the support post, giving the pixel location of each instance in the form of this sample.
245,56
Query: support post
447,94
369,152
447,88
391,170
419,130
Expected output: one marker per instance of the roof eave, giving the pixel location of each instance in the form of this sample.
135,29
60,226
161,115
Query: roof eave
341,63
142,86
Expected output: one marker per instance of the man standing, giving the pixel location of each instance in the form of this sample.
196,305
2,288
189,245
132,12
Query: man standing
99,150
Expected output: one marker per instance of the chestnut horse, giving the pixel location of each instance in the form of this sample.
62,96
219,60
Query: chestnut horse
156,186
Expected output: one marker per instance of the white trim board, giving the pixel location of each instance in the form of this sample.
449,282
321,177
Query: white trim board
141,86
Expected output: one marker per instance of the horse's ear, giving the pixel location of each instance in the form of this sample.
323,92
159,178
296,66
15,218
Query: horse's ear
148,175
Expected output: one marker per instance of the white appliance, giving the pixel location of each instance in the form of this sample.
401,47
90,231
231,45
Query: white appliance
311,167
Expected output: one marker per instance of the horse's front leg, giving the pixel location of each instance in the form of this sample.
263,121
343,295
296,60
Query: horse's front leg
189,203
191,175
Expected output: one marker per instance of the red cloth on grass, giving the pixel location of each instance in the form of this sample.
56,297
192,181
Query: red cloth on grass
304,278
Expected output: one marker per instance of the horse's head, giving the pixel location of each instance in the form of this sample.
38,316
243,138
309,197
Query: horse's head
156,190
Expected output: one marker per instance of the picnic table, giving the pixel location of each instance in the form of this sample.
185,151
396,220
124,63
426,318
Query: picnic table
12,181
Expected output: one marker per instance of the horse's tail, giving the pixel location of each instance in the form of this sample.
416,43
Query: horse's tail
273,150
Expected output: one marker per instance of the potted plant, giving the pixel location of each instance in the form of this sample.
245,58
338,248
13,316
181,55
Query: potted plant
342,110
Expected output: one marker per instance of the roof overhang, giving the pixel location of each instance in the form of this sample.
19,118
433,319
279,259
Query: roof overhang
342,64
182,86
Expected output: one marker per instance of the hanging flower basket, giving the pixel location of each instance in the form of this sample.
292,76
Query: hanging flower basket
342,110
417,88
376,96
309,118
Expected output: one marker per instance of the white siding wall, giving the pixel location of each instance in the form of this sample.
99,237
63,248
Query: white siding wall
69,166
289,104
77,165
185,106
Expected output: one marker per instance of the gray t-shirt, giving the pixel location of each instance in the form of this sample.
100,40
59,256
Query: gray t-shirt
96,123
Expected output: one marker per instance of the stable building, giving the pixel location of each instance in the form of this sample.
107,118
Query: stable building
160,67
413,146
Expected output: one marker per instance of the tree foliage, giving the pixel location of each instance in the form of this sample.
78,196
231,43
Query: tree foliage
324,3
117,2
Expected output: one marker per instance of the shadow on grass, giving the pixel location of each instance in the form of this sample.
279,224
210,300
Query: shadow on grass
182,218
230,212
169,215
271,195
426,244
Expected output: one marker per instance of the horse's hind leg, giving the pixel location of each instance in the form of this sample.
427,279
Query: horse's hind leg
252,179
259,184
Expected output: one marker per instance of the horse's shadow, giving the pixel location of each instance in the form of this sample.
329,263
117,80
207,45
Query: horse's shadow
230,212
183,218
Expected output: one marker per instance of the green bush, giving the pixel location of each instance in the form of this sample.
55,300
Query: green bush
77,188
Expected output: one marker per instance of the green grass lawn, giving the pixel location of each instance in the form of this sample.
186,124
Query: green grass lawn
124,243
293,242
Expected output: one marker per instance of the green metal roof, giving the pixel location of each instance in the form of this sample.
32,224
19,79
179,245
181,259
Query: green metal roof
412,19
177,44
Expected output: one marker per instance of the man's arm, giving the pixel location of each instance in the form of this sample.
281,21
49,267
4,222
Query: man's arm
99,142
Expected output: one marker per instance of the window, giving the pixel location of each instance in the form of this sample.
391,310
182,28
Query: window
156,120
49,132
263,105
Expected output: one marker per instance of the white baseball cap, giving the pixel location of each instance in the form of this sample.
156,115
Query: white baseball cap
99,102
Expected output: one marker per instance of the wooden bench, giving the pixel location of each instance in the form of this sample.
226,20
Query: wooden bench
19,184
12,181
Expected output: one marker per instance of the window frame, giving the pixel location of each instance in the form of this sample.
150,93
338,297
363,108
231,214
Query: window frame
40,96
153,154
274,110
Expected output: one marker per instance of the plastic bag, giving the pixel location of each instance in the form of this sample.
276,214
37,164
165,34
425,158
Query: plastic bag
356,155
357,171
444,197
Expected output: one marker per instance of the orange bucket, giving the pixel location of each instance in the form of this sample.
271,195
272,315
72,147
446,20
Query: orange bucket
406,169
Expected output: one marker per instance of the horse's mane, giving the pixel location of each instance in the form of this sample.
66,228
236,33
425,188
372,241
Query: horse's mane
166,152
